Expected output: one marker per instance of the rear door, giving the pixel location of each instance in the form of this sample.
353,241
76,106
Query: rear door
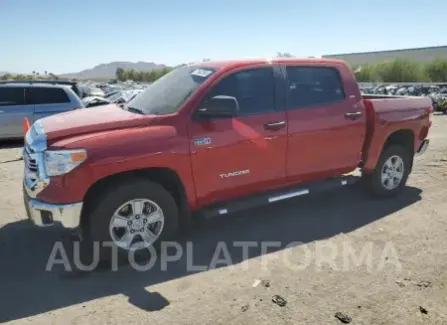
241,155
325,134
13,110
48,101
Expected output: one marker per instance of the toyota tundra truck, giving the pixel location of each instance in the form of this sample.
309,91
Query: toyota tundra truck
213,138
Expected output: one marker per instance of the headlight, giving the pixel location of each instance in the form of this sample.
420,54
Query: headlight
59,162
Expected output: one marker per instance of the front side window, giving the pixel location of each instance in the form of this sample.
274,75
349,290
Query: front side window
313,86
43,95
12,96
167,94
253,89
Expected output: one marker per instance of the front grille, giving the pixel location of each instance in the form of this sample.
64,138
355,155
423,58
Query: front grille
35,144
30,160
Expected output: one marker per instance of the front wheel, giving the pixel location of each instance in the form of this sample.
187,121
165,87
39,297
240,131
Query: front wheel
391,172
133,216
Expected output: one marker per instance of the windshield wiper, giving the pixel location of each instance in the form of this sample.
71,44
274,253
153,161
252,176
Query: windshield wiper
135,110
131,109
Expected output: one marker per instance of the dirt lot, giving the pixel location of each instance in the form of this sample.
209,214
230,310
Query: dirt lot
405,238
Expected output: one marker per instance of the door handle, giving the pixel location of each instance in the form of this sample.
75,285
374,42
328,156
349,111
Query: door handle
353,115
274,126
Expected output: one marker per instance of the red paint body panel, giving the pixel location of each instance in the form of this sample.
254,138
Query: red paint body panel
388,115
119,151
318,142
84,121
322,142
238,144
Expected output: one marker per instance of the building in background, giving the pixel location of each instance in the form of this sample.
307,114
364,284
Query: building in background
425,54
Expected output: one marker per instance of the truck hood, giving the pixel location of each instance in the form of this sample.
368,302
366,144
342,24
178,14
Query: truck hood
90,120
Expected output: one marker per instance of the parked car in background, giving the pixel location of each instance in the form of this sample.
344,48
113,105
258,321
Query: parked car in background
118,97
92,101
92,91
124,96
32,101
74,85
436,92
111,90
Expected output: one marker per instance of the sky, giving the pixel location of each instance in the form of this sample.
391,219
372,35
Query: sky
62,36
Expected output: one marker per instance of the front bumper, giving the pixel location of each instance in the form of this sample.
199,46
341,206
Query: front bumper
45,214
423,147
36,180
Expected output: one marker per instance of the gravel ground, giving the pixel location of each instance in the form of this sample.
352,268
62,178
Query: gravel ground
401,278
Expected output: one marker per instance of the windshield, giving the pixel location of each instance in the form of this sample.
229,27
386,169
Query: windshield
167,94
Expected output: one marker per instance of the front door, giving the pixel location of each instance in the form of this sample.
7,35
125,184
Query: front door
244,154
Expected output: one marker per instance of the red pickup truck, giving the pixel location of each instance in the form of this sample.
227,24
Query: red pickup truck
217,137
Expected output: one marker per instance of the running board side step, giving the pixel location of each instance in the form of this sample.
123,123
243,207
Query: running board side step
283,194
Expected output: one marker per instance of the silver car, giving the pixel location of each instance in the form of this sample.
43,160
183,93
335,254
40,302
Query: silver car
33,101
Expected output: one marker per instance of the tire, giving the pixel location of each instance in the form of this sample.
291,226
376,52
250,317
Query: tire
106,205
373,180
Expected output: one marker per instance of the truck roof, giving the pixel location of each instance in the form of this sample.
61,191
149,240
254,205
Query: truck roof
45,81
234,64
32,85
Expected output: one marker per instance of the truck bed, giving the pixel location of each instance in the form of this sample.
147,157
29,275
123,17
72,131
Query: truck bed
384,103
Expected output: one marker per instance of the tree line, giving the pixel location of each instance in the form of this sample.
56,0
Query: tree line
34,76
403,71
141,76
393,71
150,76
146,76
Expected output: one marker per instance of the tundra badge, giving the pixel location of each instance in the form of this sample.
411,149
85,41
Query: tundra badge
236,173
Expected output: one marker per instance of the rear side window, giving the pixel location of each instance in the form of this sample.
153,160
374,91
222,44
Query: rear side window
313,86
42,95
12,96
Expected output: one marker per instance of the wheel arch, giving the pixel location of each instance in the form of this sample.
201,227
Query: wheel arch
401,137
164,176
404,138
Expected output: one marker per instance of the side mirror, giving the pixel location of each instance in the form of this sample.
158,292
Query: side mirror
219,106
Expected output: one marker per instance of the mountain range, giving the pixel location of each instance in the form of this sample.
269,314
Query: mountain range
107,70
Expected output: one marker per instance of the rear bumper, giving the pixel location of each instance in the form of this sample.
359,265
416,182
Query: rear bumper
423,147
45,214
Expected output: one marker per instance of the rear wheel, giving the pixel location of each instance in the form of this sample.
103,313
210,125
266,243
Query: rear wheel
133,217
391,172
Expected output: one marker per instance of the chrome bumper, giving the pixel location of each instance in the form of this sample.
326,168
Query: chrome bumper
423,147
36,180
44,214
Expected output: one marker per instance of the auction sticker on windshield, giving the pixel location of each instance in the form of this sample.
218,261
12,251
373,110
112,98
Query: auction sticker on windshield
201,73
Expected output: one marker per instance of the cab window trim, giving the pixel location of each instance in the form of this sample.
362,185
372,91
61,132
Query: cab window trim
278,99
290,107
